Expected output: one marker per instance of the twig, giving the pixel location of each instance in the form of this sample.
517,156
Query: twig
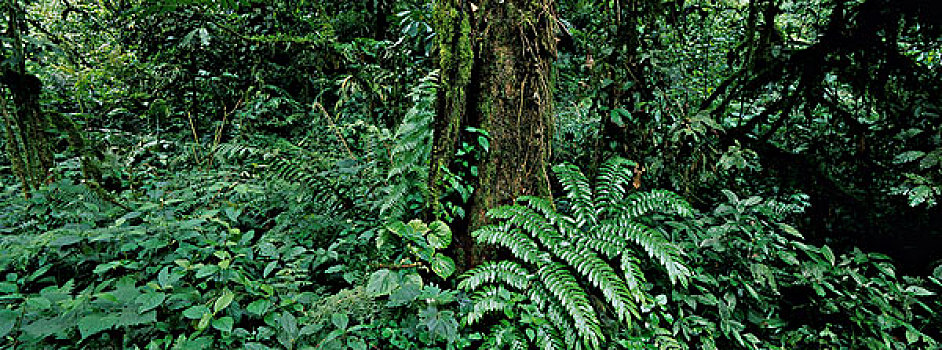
336,130
218,137
195,137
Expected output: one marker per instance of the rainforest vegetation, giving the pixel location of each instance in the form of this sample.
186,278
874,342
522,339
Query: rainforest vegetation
470,174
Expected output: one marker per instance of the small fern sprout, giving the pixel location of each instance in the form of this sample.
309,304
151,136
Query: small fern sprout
561,259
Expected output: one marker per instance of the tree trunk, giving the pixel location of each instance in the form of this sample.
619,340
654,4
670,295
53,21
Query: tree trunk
497,75
27,127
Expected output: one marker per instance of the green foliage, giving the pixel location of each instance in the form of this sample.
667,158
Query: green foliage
252,152
757,285
558,256
429,312
407,178
157,280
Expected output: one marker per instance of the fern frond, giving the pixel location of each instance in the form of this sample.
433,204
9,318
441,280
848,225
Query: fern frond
653,243
612,181
562,322
562,253
581,258
530,221
578,192
565,224
507,272
548,338
489,299
506,336
603,277
519,244
393,203
631,266
643,203
564,287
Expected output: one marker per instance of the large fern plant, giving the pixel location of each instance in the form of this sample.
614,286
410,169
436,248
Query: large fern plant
563,259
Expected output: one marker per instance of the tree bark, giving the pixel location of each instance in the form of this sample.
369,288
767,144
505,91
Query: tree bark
27,126
497,75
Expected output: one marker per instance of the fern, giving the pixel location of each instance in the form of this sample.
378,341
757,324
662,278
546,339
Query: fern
408,159
562,258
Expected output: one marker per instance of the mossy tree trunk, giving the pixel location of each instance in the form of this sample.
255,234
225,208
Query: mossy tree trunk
26,126
496,75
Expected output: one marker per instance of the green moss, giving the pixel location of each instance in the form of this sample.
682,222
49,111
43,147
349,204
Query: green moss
454,43
456,57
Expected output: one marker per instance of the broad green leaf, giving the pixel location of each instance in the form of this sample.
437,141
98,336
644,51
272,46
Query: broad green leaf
256,346
204,321
269,268
409,289
339,320
311,329
164,278
828,254
200,343
206,270
131,317
355,343
790,230
7,320
92,324
382,282
38,303
108,266
442,265
195,312
908,156
259,307
289,324
441,324
150,300
45,327
918,291
439,235
223,324
223,301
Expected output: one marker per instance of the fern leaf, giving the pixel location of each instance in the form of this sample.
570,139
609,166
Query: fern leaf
548,338
578,192
655,245
564,287
643,203
519,244
631,266
489,299
506,272
603,277
533,223
612,181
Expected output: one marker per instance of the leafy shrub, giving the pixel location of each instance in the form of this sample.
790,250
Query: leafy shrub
426,313
177,272
756,285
